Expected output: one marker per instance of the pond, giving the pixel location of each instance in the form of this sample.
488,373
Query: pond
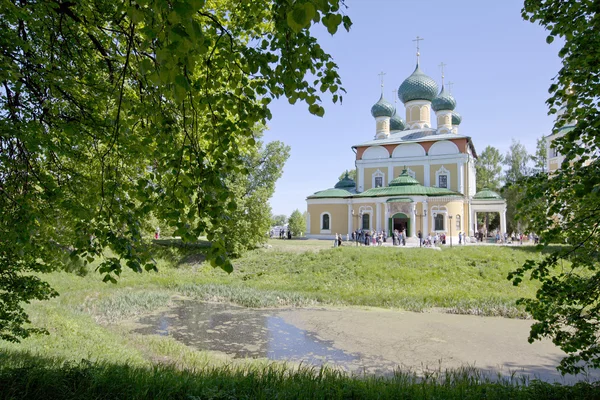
249,333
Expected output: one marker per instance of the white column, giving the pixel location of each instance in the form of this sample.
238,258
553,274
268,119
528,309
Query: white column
390,173
426,175
413,222
425,219
503,221
469,227
460,176
378,216
350,219
308,223
386,221
361,178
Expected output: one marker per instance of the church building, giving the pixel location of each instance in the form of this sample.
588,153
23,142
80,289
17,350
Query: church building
414,175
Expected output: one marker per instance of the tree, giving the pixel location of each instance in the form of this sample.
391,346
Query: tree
567,304
489,169
246,226
297,223
541,155
351,174
516,160
111,111
278,220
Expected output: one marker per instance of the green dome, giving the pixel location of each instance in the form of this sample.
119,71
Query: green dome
487,194
397,123
443,101
382,108
345,183
456,118
404,179
418,86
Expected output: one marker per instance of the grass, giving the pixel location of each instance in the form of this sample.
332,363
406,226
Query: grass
32,377
90,319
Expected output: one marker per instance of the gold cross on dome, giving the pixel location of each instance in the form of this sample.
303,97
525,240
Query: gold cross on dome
450,84
418,39
442,65
381,75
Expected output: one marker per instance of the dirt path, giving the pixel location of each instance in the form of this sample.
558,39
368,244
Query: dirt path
419,341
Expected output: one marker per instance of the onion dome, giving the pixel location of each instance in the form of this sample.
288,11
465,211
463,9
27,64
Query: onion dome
404,179
443,101
418,86
397,123
382,108
456,118
345,183
487,194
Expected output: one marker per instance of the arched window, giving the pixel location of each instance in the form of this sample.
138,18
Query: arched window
366,221
438,221
325,222
458,222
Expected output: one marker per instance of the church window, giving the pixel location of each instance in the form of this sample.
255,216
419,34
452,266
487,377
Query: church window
443,181
439,222
457,221
366,221
325,222
377,179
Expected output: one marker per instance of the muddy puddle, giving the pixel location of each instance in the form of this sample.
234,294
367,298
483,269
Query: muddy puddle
372,341
248,333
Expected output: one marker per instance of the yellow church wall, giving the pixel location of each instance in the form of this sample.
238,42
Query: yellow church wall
453,208
368,183
452,182
338,222
419,172
371,209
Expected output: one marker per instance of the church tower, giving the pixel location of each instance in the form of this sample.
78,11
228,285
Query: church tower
416,92
382,111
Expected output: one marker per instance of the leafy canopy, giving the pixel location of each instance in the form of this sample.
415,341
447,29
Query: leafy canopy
297,223
111,111
567,304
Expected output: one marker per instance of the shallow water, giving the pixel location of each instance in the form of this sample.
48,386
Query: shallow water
248,333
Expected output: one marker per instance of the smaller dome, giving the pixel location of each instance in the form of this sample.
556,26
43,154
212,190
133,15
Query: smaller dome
443,101
404,179
456,118
417,86
382,108
487,194
345,183
397,123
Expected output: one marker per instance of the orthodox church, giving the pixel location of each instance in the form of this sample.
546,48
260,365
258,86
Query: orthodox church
412,175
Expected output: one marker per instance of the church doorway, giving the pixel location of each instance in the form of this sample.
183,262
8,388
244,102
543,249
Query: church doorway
400,222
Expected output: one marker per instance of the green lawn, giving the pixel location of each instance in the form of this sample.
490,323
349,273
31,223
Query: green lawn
88,321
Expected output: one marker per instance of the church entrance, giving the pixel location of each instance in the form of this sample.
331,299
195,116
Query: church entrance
400,222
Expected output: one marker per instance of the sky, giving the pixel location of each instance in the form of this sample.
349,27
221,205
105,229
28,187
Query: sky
501,67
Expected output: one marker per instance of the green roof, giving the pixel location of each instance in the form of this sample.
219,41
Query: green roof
412,190
443,101
456,118
400,200
345,183
382,108
330,193
417,86
404,179
487,194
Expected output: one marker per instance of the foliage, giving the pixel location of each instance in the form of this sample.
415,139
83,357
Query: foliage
489,169
517,162
278,220
297,223
25,377
112,110
351,174
246,226
567,303
541,156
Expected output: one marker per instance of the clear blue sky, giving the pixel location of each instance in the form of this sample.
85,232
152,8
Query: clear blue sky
500,64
